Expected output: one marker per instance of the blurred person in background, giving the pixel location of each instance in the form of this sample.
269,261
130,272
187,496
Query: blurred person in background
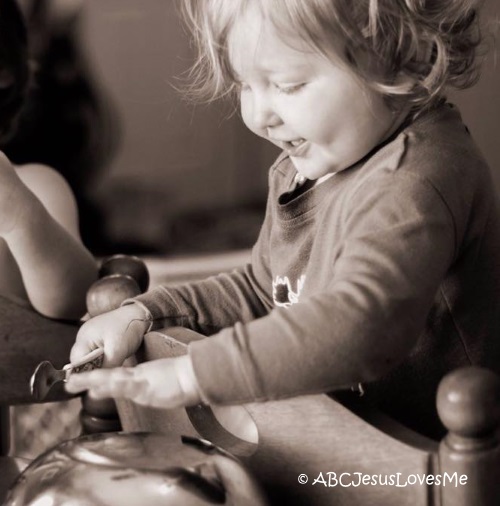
43,262
68,121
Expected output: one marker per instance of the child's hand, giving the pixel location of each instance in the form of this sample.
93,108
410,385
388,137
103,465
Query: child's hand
119,333
159,383
17,202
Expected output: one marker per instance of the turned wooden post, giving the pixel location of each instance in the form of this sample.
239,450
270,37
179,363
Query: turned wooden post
468,403
120,277
99,415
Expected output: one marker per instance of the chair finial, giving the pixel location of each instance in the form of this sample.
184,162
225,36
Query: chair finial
468,402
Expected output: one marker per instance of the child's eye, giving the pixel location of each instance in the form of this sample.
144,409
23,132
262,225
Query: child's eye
289,89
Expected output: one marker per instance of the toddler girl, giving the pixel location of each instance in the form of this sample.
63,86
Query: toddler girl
378,263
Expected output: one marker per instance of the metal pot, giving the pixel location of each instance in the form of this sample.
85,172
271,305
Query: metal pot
129,469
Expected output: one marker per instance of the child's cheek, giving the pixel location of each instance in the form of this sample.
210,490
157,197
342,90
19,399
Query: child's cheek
247,114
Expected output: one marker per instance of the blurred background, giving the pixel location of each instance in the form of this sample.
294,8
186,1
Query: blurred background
154,174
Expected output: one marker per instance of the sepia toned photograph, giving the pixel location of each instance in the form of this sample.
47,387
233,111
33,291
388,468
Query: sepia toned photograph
250,252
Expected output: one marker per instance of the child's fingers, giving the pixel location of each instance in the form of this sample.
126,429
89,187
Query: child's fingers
119,332
118,382
114,354
87,339
79,350
86,380
151,384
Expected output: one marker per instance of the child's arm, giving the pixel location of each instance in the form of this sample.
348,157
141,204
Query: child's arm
38,221
209,305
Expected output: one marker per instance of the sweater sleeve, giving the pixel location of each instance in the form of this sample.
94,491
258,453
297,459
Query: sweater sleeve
221,301
206,306
399,242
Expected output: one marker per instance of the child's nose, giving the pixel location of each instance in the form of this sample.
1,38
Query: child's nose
264,114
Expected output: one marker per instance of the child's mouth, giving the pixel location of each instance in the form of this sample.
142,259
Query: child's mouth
295,147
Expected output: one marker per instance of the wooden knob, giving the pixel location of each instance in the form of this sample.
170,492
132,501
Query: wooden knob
109,292
121,277
99,408
96,425
129,265
468,402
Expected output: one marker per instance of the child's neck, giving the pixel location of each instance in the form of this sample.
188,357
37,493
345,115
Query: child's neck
401,119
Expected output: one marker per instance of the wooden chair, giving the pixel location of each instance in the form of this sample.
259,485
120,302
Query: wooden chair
333,443
287,443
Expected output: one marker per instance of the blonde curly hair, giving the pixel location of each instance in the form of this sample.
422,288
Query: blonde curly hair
408,50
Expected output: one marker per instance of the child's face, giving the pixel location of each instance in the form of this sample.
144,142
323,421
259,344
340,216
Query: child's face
316,109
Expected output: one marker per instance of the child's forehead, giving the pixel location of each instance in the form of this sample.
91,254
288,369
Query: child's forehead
254,39
255,21
258,35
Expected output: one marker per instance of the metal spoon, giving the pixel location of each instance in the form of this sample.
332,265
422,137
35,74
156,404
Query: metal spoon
46,375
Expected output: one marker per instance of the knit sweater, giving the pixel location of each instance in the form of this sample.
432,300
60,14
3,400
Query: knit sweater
386,274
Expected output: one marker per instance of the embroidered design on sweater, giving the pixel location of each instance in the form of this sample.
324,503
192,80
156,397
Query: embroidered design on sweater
283,294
